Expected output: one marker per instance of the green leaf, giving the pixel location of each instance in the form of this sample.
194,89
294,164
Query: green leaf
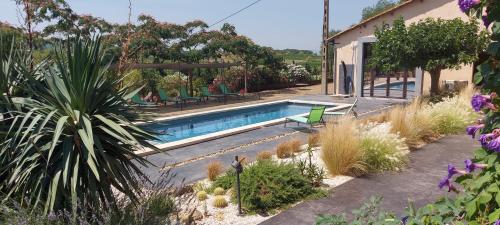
470,208
57,133
494,48
493,188
484,198
494,216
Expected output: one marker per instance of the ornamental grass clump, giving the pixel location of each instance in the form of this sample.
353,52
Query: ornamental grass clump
412,122
284,150
295,146
264,155
214,169
382,150
313,140
341,151
420,123
451,116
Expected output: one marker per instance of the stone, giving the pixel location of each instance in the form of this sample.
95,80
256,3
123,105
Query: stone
190,217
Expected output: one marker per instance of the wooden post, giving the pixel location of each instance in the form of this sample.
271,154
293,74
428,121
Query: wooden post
388,86
372,83
324,64
405,83
246,82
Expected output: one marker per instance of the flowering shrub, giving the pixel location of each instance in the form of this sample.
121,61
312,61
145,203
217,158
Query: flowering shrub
382,150
295,73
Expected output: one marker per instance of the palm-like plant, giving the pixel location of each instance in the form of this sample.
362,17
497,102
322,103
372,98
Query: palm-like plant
75,144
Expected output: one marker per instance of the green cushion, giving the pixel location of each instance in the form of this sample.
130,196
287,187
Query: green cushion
299,119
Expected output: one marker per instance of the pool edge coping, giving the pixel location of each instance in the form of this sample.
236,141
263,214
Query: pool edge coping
225,133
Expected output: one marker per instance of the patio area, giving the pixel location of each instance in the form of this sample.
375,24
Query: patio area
190,162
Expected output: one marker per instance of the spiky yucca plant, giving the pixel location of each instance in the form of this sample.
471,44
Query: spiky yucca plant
75,144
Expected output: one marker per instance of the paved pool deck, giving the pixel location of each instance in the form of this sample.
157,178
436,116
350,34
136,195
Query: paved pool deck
189,163
418,182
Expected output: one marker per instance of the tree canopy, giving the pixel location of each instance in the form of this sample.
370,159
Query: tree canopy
379,7
431,44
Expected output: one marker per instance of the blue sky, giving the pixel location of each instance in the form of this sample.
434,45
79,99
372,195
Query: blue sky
276,23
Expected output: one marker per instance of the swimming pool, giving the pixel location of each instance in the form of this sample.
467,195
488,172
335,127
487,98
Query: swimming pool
198,125
398,86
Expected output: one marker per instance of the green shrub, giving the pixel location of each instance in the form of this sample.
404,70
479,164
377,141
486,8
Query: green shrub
225,181
369,213
310,170
267,185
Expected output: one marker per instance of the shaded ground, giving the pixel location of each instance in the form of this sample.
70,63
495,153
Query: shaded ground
418,183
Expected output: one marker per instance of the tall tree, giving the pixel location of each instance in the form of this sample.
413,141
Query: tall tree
431,44
379,7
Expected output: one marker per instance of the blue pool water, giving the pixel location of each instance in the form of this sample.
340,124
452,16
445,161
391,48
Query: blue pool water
215,122
398,86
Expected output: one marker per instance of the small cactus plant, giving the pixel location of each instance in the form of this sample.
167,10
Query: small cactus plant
220,202
219,191
264,155
214,169
202,195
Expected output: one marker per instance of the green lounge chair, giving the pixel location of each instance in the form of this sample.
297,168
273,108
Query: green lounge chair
205,93
315,117
138,101
348,112
184,96
165,98
225,91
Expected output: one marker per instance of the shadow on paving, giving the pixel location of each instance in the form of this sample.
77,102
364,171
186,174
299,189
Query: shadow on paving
418,182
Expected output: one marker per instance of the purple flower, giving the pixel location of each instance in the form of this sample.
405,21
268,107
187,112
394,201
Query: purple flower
497,222
479,102
445,182
485,139
486,22
472,130
470,166
404,220
452,170
494,145
466,5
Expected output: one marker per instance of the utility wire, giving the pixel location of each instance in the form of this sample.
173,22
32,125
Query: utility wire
235,13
